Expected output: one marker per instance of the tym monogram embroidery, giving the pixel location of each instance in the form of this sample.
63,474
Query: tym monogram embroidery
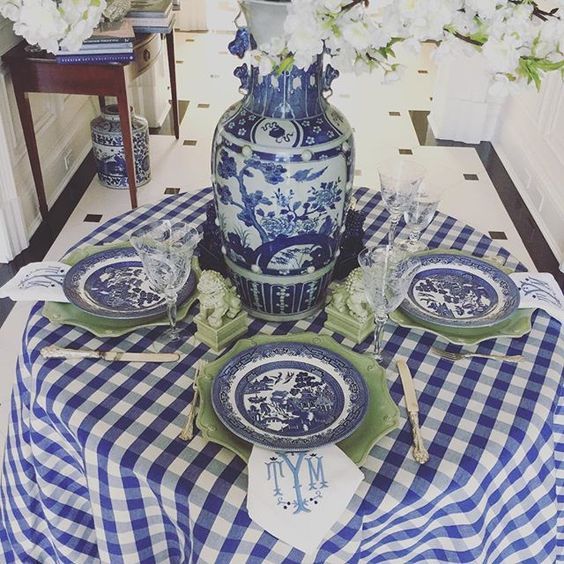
298,478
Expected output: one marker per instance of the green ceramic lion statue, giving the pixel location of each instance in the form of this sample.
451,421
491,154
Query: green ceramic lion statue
217,298
349,297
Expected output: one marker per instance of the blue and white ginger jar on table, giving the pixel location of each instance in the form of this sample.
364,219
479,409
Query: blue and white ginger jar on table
282,171
107,143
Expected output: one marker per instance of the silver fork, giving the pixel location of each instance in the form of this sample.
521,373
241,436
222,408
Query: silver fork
460,355
187,432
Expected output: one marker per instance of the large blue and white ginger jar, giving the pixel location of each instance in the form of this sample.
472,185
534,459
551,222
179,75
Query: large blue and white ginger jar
107,145
282,171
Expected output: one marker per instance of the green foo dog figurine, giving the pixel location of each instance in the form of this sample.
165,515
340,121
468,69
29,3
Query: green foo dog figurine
348,312
221,319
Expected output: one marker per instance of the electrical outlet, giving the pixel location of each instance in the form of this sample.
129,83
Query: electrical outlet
68,159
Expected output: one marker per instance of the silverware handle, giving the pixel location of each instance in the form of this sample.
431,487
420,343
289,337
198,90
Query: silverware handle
53,351
419,451
187,432
513,358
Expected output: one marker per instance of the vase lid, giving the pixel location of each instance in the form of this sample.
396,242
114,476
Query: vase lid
111,112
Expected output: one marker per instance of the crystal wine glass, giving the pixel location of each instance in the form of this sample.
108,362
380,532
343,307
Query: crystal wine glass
420,212
166,249
387,273
399,179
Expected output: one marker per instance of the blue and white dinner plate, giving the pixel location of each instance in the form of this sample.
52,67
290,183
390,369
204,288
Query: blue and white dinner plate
290,396
113,284
459,291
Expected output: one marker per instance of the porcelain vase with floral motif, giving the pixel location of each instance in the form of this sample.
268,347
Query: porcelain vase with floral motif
107,145
282,170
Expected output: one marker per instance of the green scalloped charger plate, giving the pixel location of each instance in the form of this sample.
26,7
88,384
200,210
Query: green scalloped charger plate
381,417
68,314
517,325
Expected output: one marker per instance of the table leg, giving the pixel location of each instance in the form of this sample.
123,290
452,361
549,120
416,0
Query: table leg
24,108
172,74
125,123
102,102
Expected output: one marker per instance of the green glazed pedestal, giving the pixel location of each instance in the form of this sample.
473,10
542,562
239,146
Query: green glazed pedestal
347,325
218,338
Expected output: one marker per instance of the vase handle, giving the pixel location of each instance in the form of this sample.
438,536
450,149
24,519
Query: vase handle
242,42
329,75
242,73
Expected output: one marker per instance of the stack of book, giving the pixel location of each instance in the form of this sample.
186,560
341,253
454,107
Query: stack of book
151,16
110,43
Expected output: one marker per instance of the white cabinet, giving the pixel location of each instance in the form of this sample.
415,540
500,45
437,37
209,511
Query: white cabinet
462,108
530,141
526,129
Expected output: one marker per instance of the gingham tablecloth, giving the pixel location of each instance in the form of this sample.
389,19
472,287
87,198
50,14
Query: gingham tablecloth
94,470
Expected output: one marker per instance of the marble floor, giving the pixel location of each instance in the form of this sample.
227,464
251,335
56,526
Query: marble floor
379,114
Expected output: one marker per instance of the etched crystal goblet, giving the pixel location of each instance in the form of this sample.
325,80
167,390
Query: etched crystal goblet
420,211
399,179
166,249
387,272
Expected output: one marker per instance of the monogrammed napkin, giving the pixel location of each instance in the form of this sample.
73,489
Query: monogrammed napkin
540,290
297,497
37,281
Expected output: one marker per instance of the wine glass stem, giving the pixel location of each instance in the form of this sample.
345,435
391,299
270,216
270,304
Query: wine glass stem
171,311
393,227
379,320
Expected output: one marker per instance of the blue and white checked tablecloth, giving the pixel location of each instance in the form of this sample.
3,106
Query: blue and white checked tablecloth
94,470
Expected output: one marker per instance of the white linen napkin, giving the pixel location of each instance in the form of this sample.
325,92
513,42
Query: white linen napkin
298,497
540,290
37,281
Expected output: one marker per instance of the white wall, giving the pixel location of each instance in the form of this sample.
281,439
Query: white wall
530,141
192,15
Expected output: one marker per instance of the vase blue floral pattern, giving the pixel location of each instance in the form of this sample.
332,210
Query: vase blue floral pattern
107,143
282,170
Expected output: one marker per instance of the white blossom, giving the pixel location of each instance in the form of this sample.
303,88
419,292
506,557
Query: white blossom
51,24
10,9
517,45
501,56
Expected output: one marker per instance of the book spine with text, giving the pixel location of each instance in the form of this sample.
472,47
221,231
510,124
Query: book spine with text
100,50
153,29
93,40
95,59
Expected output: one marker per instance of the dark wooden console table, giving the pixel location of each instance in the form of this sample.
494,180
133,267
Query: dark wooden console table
33,73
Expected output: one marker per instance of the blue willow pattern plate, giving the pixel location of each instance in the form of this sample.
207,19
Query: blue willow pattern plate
290,396
113,284
453,290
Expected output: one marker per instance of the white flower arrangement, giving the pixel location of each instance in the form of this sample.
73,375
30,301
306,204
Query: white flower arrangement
52,24
519,40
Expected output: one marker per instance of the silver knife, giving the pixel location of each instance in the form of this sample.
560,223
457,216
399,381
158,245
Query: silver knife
419,451
59,352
